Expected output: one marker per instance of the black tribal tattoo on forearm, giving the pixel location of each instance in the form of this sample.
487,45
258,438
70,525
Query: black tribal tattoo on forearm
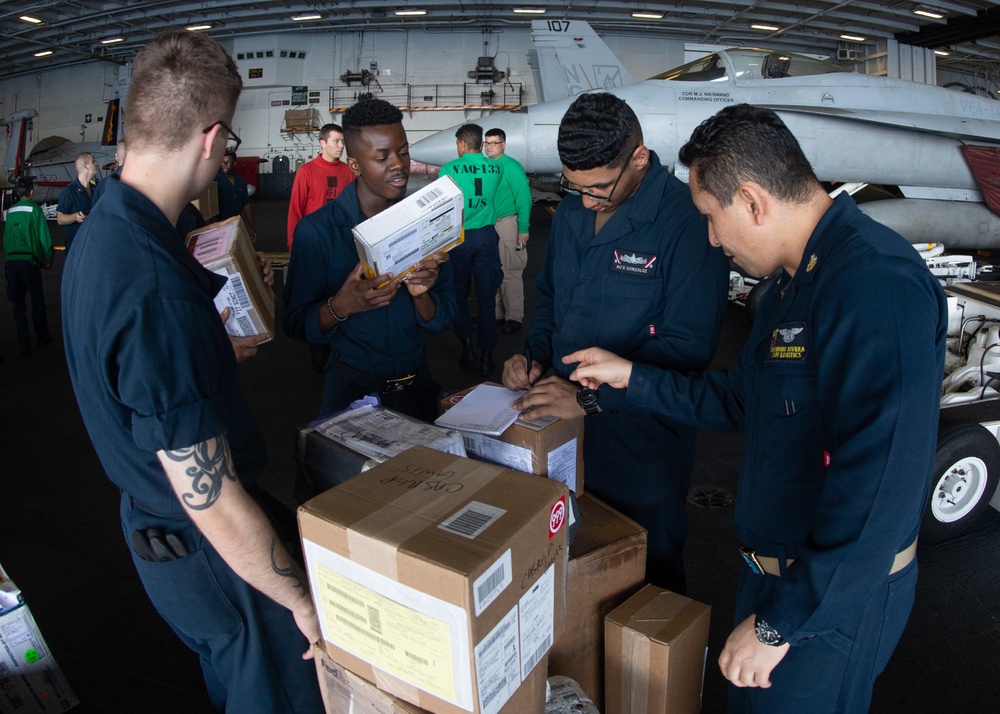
207,464
293,571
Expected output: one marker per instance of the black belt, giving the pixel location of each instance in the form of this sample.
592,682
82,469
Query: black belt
382,385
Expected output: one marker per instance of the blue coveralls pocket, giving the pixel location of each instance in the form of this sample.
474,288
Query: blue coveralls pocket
899,594
627,303
785,443
170,586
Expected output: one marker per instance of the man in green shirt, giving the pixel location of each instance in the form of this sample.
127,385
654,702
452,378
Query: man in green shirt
513,209
27,247
478,256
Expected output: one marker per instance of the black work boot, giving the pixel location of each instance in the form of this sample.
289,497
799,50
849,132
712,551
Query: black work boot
486,363
468,358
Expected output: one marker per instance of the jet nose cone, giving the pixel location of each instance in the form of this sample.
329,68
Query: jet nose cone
437,149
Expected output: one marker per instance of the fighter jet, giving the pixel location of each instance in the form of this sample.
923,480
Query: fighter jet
940,148
51,162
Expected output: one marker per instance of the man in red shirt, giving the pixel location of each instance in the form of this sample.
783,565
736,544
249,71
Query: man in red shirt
320,180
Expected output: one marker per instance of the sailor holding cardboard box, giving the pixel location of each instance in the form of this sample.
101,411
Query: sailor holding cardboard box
373,327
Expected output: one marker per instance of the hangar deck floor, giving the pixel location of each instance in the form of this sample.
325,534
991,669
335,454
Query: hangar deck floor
60,539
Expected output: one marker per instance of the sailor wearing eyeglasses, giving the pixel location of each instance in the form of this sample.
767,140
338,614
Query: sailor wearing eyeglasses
627,264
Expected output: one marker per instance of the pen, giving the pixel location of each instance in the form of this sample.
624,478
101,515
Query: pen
527,359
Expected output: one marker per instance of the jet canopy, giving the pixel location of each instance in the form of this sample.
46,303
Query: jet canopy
748,63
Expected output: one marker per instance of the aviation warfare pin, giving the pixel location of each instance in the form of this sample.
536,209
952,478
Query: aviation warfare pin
632,262
788,341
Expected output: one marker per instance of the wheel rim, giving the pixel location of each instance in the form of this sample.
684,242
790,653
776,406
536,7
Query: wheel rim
959,489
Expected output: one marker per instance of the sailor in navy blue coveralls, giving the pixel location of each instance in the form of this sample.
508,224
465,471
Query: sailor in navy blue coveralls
838,392
129,342
370,350
648,286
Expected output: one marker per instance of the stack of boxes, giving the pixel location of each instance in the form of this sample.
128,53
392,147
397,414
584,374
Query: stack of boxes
441,580
448,585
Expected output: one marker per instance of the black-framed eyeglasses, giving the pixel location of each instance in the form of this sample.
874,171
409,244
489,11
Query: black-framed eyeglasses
492,143
232,141
568,187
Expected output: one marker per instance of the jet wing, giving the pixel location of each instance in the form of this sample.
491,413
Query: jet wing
954,127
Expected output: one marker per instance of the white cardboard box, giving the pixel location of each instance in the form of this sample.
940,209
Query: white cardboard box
428,221
30,680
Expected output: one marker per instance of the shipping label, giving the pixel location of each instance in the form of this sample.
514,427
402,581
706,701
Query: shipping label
498,664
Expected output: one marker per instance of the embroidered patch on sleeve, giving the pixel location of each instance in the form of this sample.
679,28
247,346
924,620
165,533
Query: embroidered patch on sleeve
788,341
631,262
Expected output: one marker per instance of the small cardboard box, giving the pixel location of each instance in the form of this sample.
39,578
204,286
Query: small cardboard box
607,565
333,449
440,578
655,650
30,680
346,693
208,202
426,222
548,447
225,249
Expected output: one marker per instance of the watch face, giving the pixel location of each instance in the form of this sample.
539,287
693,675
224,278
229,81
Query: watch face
587,398
767,634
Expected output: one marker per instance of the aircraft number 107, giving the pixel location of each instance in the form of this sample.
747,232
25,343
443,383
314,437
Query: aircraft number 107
558,25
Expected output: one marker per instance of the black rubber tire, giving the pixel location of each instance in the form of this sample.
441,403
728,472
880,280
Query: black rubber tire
969,455
755,295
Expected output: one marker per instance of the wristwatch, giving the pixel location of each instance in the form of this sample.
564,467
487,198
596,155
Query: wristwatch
587,399
767,634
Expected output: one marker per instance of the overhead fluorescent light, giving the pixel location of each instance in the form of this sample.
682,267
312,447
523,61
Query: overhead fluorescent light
769,28
44,53
32,20
196,28
529,10
942,53
929,12
303,18
112,40
644,15
853,38
410,13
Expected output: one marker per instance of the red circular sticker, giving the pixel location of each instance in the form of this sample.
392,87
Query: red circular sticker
456,398
557,516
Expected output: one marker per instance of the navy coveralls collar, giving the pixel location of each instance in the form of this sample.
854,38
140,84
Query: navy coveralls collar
118,195
818,244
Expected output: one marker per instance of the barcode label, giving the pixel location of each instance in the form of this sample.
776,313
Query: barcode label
400,239
428,197
491,583
537,654
412,257
246,325
497,657
537,620
239,290
472,519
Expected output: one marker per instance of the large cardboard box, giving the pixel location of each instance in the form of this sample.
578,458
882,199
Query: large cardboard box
428,221
607,565
30,680
440,578
226,249
346,693
548,447
656,644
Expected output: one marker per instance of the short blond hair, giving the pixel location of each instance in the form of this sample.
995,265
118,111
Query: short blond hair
182,82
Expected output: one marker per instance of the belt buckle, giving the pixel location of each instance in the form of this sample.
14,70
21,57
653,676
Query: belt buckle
398,384
751,559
